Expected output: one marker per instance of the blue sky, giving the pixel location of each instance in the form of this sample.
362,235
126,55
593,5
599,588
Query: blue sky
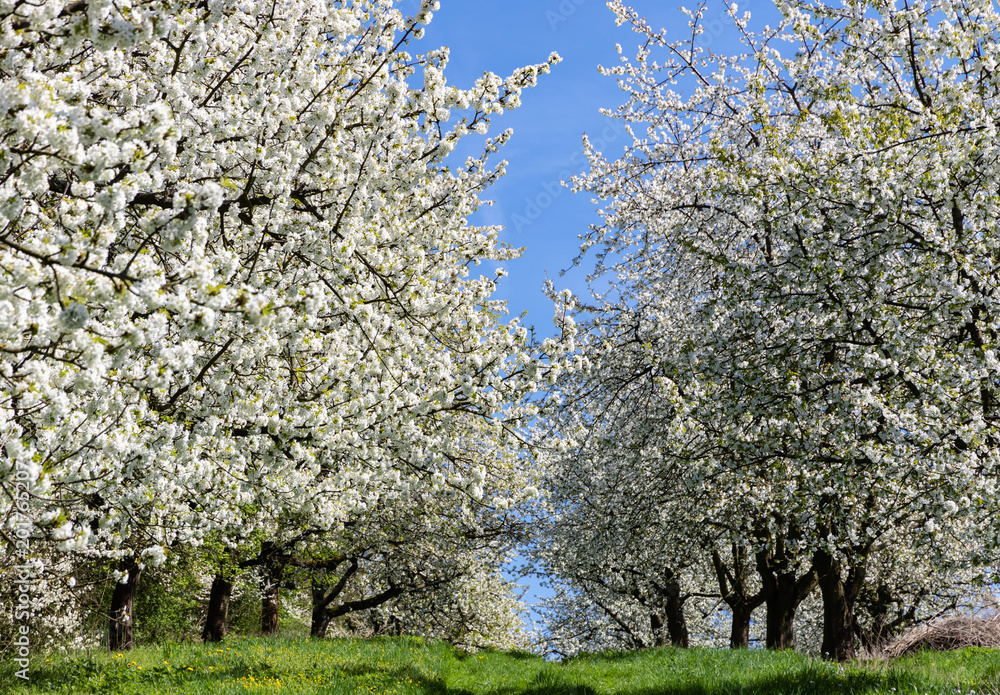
536,212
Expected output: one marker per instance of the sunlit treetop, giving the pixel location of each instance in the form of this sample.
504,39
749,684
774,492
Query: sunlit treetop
237,278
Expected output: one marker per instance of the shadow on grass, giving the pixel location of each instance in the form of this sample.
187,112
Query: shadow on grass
547,682
513,655
557,682
582,675
612,655
802,684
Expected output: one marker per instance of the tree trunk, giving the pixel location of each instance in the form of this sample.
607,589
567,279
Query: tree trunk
656,628
739,632
885,621
273,570
732,588
320,615
839,596
321,599
783,593
270,603
674,609
218,609
878,631
121,623
780,620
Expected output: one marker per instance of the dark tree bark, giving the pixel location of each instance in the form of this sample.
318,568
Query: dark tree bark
839,596
270,602
321,598
216,626
780,621
739,631
887,616
323,611
879,629
320,615
656,627
674,610
783,592
734,592
273,569
665,604
635,636
121,623
366,603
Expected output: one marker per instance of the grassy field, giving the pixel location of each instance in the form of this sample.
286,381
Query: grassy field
412,666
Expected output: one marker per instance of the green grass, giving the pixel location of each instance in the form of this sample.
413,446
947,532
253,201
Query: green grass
412,666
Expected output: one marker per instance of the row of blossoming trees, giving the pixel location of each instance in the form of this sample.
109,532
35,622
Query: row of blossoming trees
240,307
241,323
792,382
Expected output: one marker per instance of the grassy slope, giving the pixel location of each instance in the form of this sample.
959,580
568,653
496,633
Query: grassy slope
411,666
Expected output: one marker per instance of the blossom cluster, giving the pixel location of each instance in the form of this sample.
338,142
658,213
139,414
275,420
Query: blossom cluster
237,278
793,350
